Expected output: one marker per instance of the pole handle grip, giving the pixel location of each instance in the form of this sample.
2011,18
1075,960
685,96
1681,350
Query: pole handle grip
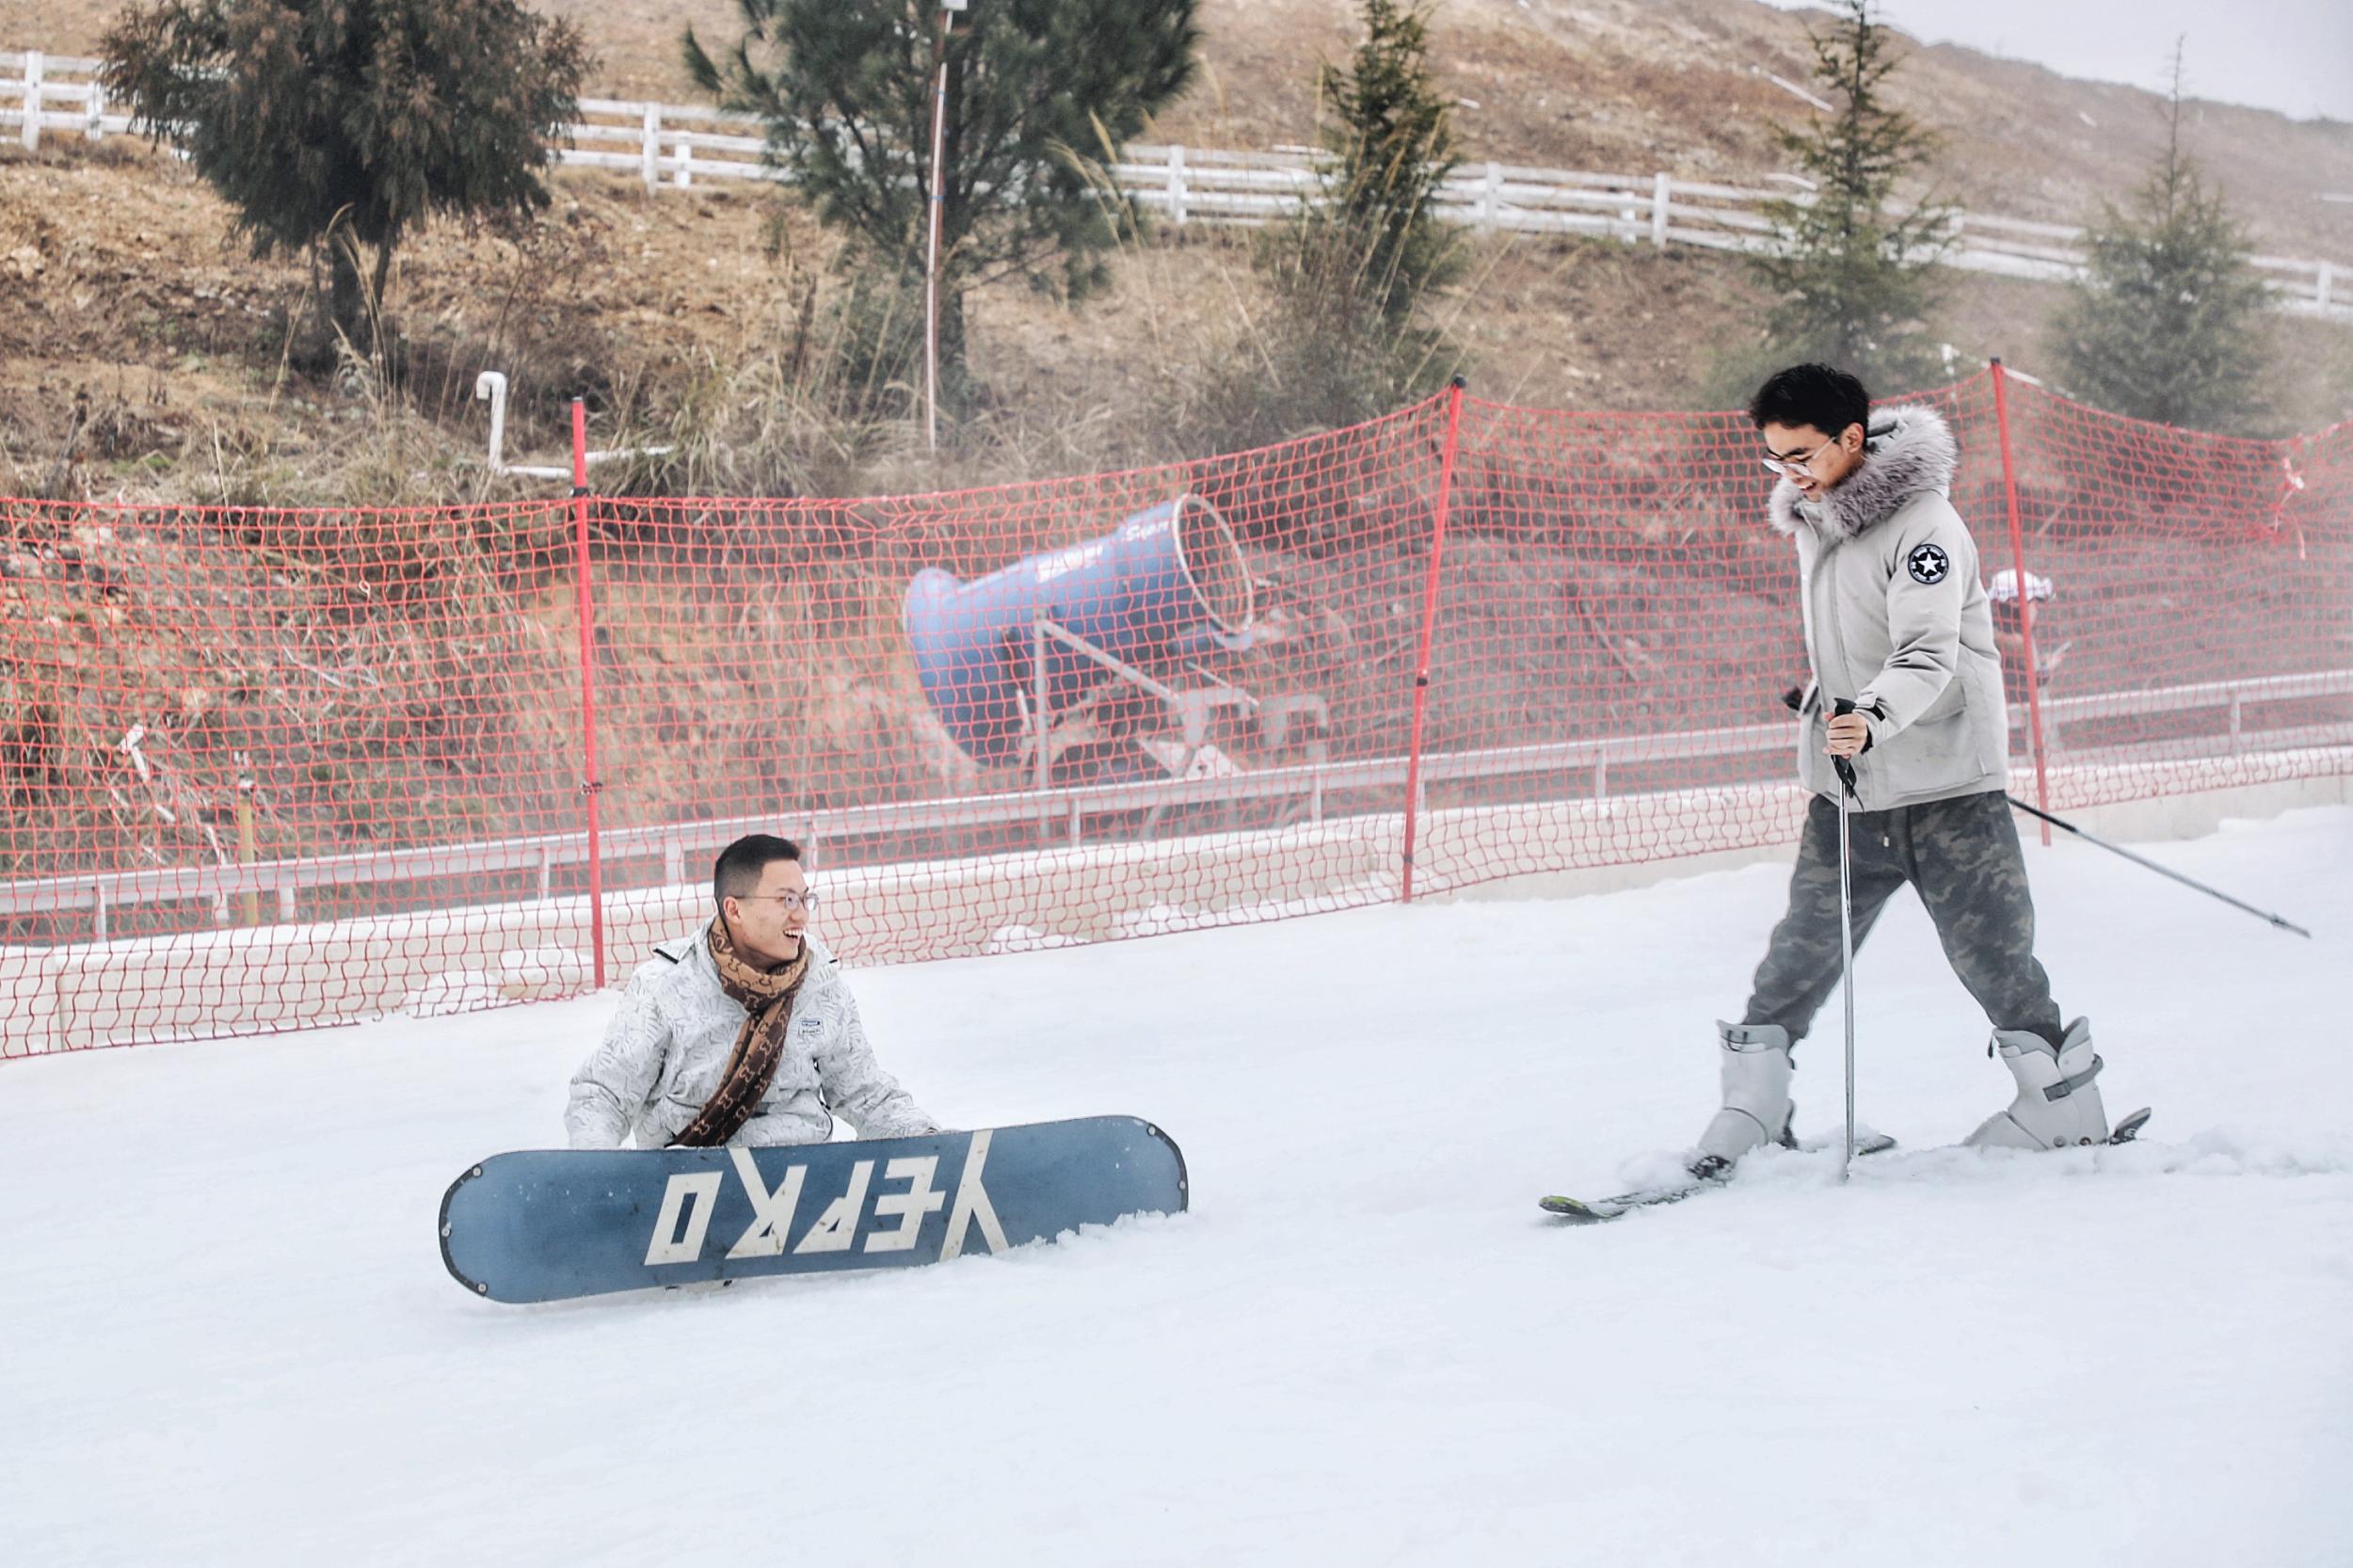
1843,765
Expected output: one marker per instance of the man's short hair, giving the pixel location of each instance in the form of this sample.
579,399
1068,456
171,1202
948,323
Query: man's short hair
743,863
1823,396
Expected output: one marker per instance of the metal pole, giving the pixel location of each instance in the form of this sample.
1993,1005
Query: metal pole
1846,932
2026,605
247,843
1041,693
931,259
1043,762
593,786
2283,923
1429,625
1846,958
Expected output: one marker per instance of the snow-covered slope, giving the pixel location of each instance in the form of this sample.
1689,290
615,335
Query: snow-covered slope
228,1336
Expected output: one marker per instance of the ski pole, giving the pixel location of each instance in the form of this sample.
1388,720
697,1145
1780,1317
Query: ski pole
2162,870
1845,930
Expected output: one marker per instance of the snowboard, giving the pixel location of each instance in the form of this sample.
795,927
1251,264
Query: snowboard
553,1225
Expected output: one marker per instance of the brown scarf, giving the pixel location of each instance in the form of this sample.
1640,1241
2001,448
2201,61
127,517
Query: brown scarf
767,995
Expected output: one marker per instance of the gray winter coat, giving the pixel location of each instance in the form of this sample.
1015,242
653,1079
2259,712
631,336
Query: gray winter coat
665,1049
1896,620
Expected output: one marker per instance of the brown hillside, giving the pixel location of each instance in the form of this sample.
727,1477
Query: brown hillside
120,282
1617,85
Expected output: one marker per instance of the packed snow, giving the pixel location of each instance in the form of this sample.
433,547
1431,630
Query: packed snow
229,1338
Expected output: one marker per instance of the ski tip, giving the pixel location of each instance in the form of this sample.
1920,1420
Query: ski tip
1575,1210
2129,1128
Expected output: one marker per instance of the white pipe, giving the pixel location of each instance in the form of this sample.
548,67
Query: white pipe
491,386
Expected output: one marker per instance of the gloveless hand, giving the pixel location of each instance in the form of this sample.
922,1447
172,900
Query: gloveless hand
1849,734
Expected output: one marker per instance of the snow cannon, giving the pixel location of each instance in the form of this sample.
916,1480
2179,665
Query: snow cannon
1165,583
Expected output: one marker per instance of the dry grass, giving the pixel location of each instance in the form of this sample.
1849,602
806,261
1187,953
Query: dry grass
1624,84
676,320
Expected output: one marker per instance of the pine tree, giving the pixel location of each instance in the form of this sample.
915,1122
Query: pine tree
1344,341
1851,272
1393,142
347,122
847,92
2168,322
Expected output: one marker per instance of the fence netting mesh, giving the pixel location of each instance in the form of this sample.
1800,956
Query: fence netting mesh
264,768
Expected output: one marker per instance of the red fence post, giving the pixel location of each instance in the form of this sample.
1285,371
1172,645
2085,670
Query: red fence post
1429,625
592,785
2026,605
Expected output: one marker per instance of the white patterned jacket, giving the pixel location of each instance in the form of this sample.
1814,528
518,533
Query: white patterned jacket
665,1049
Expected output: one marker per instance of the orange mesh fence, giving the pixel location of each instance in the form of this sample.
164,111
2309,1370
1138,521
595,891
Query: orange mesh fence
250,757
1037,715
2200,589
1615,623
268,768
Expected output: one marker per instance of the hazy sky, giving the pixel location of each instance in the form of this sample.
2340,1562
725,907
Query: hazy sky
2295,55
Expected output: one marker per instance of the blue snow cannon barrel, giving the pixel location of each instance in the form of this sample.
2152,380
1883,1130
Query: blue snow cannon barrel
1160,579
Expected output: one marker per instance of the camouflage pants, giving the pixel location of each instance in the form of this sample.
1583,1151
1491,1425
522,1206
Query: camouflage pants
1962,857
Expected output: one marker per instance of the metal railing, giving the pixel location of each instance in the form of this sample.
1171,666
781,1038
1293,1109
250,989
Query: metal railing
672,842
672,146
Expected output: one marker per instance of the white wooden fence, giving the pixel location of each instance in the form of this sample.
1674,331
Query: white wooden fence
672,147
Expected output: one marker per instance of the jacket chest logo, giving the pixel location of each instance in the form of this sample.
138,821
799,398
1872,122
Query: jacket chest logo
1927,564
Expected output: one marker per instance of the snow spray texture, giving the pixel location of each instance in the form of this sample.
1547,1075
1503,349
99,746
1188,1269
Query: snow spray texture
552,1224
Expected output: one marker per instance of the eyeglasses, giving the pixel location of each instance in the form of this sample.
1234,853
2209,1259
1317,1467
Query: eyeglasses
791,901
1797,468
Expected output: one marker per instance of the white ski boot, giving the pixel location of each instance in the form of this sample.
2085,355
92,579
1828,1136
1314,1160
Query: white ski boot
2059,1103
1757,1110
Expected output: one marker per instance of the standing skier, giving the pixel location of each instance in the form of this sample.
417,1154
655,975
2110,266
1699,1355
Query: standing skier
1898,624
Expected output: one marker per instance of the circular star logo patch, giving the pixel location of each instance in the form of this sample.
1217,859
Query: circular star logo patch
1927,564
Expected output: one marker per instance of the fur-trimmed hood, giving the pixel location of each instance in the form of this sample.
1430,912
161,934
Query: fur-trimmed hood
1907,450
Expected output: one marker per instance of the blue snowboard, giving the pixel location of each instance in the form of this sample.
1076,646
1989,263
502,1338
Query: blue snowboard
550,1225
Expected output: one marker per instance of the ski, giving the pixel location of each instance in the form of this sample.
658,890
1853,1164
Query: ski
1584,1211
1711,1173
1579,1211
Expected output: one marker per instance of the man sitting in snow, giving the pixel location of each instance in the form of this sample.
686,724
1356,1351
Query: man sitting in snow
1898,625
743,1034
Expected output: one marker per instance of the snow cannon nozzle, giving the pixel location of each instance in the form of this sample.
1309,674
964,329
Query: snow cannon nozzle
1169,580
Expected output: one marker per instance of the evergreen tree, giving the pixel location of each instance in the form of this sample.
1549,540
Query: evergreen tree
1849,274
1392,138
349,121
2168,322
1343,343
847,92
